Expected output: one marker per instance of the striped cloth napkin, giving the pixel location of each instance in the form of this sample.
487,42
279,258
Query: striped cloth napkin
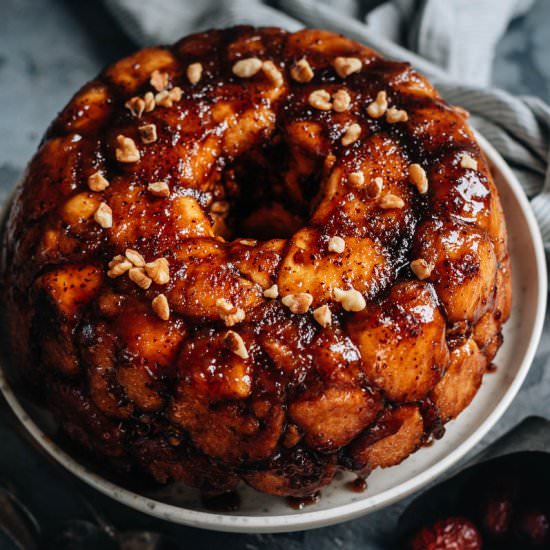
450,41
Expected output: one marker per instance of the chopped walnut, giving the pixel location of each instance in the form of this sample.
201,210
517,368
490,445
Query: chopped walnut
135,257
159,80
126,150
149,100
374,188
248,242
341,101
323,316
357,179
336,244
160,307
351,135
104,216
148,133
379,106
468,162
390,201
272,292
118,266
159,189
194,73
394,115
136,106
297,303
421,268
230,314
137,275
247,68
158,270
344,66
418,177
234,343
166,98
219,207
97,182
301,71
351,299
273,73
320,99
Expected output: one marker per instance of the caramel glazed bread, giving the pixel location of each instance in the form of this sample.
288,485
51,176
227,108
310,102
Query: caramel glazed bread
256,256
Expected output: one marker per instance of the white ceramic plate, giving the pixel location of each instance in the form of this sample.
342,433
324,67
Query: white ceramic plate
263,513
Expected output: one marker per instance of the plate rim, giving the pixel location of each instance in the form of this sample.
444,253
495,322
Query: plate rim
343,512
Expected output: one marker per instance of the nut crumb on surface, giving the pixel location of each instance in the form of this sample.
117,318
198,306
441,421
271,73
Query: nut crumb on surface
344,66
378,107
352,134
351,299
97,182
135,257
272,292
149,99
336,244
468,162
273,73
161,307
230,314
104,216
374,188
301,71
341,101
247,68
148,133
357,179
126,150
159,189
323,316
393,115
298,303
390,201
159,80
118,266
137,275
158,270
421,268
194,73
234,343
320,100
136,106
167,98
418,178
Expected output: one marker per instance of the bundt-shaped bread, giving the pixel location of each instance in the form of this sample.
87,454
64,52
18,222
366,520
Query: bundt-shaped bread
257,256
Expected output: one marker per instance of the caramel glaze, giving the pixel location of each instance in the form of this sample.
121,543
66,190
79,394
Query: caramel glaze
167,397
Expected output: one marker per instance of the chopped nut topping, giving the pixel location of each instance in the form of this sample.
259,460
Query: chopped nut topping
357,179
418,177
136,106
97,182
118,266
298,303
344,66
247,68
230,314
234,343
320,99
351,299
273,73
160,307
301,71
421,268
194,73
390,201
148,133
351,135
166,98
271,292
158,270
374,188
135,257
104,216
219,207
379,106
336,244
394,115
159,80
149,100
137,275
341,101
323,316
126,150
159,189
468,162
248,242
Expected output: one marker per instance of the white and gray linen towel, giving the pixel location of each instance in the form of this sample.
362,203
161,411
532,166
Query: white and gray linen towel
450,41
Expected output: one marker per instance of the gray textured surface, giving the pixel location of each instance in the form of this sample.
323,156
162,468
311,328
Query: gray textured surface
48,48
